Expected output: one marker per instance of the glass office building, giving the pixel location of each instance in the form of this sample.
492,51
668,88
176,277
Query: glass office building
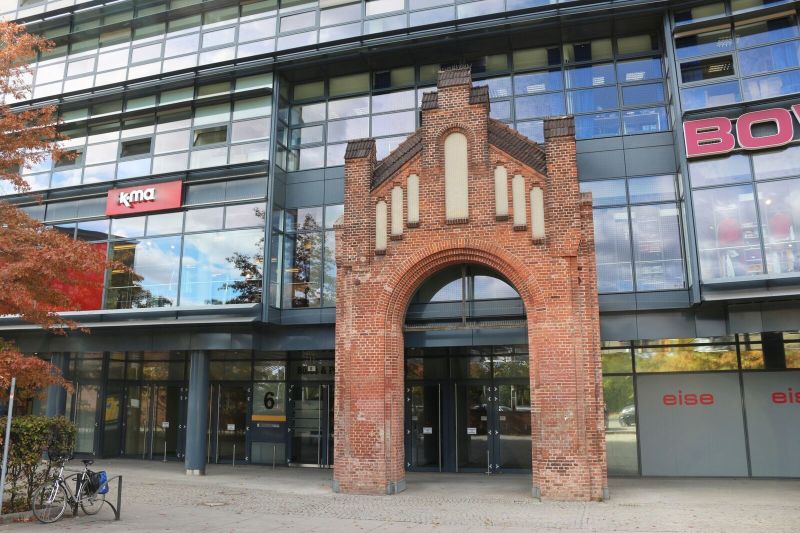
249,105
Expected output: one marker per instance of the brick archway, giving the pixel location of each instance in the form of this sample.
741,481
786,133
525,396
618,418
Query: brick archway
555,277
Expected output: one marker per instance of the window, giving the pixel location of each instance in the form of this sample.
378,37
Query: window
135,147
206,136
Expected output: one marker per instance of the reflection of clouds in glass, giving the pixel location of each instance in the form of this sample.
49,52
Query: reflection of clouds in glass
208,252
487,287
157,260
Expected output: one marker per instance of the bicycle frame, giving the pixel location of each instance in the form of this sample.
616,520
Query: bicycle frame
72,499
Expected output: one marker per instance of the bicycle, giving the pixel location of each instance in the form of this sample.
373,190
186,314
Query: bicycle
50,500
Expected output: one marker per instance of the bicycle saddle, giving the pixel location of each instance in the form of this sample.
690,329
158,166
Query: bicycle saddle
87,462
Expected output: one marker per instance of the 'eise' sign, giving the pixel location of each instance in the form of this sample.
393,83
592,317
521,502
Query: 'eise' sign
714,136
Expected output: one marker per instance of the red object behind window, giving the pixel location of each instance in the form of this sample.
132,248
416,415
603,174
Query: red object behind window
84,289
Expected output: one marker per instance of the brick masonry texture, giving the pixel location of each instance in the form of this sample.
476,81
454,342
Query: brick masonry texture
556,279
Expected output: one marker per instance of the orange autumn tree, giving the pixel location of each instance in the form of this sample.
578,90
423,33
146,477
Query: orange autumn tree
42,270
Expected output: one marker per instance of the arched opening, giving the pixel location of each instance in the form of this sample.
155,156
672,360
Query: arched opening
467,377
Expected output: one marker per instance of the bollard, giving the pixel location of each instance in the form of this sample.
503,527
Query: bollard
488,464
165,450
233,461
273,456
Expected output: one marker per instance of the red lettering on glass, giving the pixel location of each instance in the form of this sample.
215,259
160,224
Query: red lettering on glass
780,117
790,396
689,399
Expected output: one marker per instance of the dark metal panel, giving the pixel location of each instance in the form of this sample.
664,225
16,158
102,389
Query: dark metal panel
662,300
490,337
298,338
305,194
780,316
304,176
650,160
652,139
666,325
599,145
618,327
334,191
610,164
171,340
710,321
327,315
617,302
334,173
745,318
241,341
300,316
210,341
438,338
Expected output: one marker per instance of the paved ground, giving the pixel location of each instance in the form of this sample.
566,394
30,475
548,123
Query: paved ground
160,497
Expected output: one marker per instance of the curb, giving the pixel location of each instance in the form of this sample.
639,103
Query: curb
10,518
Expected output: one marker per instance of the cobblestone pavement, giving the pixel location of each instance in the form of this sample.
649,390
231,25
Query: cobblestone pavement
159,497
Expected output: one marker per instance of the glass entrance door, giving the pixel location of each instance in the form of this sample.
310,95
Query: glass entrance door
474,422
86,401
425,431
153,421
311,411
227,427
513,434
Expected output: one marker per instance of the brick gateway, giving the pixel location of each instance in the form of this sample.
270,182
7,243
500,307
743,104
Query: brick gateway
462,189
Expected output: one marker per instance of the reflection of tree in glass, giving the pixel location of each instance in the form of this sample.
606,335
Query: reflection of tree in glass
126,285
686,358
307,268
250,267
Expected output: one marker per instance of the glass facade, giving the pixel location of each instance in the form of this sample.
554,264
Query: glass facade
747,211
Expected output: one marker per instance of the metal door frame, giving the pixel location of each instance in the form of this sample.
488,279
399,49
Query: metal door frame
214,399
149,453
443,431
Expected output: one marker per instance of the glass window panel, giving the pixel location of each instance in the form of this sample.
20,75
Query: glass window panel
686,358
772,85
172,141
479,8
537,57
249,153
83,66
649,93
208,158
501,110
377,7
222,268
309,90
335,154
204,219
250,130
588,100
93,230
390,102
710,42
98,173
153,278
652,189
332,214
127,227
214,135
252,107
258,29
634,44
146,53
537,82
542,105
101,153
339,32
591,76
613,250
394,123
657,247
311,158
699,12
304,114
620,423
338,15
219,38
605,192
707,69
383,79
718,171
348,107
245,189
302,285
164,224
776,164
639,70
491,287
639,121
345,130
245,215
385,145
170,163
779,206
727,232
533,130
598,125
66,178
298,21
135,147
349,84
49,73
210,114
711,95
133,169
179,46
432,16
269,370
329,273
588,51
307,135
768,58
214,89
617,360
765,31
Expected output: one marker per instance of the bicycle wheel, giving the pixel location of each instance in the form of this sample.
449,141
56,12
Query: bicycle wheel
92,503
49,503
